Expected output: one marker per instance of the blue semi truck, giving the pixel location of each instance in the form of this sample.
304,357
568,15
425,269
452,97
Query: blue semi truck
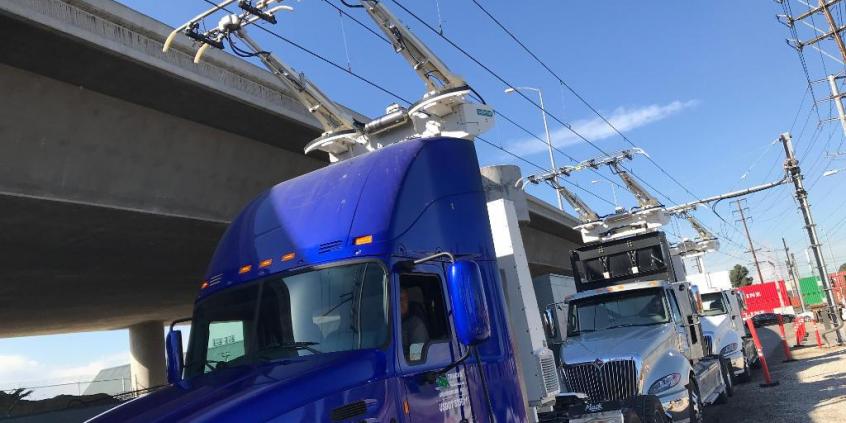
300,316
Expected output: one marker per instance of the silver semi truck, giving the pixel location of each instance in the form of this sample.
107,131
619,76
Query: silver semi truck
634,342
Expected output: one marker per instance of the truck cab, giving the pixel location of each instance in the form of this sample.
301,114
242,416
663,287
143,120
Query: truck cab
634,335
723,326
367,290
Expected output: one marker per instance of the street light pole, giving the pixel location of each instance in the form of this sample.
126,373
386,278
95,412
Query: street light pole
548,137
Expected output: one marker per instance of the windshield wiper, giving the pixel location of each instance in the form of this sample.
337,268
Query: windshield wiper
302,345
576,333
628,325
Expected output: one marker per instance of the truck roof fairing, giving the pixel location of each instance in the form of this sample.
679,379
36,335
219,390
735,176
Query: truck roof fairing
424,193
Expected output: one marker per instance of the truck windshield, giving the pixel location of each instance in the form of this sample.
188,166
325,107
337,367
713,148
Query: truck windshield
713,304
622,309
333,309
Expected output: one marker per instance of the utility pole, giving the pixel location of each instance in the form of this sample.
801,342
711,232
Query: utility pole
791,165
834,32
740,209
791,271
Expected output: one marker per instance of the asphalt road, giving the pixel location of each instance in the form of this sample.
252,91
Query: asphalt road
811,389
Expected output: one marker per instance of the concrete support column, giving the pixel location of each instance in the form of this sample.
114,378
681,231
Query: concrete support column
147,355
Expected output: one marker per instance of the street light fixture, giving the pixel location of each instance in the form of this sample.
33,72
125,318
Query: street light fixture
510,90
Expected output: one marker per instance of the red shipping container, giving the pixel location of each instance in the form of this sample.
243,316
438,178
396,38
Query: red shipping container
838,286
763,298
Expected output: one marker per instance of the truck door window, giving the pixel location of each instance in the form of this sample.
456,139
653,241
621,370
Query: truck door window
674,307
713,304
423,313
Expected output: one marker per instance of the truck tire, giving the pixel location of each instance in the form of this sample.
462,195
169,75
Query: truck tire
650,410
694,407
728,377
746,376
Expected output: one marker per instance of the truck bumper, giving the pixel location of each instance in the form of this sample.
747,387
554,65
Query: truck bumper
675,404
736,360
614,416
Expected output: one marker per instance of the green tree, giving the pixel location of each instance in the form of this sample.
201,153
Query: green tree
739,276
842,268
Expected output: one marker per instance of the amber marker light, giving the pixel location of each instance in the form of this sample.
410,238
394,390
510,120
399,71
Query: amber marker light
204,285
362,240
245,268
288,257
265,263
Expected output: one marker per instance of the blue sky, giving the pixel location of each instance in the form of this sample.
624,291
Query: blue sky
703,87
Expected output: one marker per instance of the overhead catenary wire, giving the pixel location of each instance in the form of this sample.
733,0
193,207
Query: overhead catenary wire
499,113
577,95
399,97
580,98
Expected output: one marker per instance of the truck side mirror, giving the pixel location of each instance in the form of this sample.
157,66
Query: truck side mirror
549,320
467,297
173,348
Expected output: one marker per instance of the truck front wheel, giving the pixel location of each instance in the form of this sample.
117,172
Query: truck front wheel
694,406
746,376
727,377
652,410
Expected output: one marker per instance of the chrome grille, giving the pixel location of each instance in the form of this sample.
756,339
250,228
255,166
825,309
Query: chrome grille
708,346
602,381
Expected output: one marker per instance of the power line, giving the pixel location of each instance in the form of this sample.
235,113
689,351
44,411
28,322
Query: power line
361,24
789,12
576,94
501,114
539,167
398,97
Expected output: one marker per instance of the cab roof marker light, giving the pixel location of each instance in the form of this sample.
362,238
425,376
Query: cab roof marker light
265,263
363,240
288,257
245,268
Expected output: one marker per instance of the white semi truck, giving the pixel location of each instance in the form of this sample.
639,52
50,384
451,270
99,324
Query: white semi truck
725,332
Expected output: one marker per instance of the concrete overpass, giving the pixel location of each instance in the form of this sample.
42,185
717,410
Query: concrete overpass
121,165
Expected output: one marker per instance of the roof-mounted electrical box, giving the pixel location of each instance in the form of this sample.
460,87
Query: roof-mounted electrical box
633,259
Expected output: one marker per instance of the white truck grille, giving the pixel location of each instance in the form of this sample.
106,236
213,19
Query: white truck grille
603,380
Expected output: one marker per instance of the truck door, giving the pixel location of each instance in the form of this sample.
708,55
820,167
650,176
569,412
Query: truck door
730,300
690,318
427,345
682,335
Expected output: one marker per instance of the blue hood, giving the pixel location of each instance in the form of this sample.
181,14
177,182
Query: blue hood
261,393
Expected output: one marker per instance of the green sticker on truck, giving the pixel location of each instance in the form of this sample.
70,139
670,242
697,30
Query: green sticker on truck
484,112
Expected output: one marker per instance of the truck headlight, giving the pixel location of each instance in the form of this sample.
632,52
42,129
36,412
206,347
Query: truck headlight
664,383
728,348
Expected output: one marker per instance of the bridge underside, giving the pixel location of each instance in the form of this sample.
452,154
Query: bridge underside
70,267
120,166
